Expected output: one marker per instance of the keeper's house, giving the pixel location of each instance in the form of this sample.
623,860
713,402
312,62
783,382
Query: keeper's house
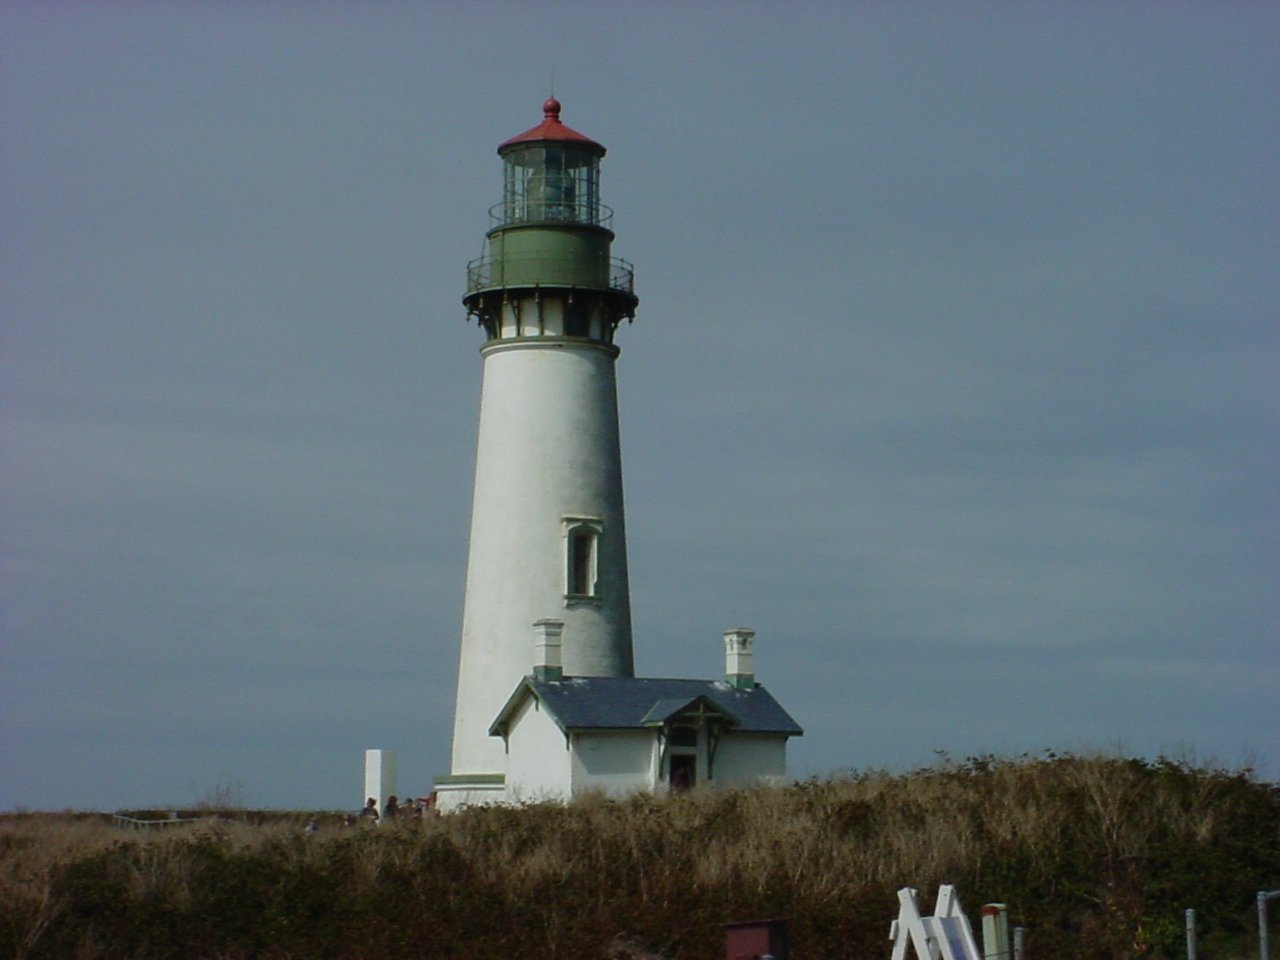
566,736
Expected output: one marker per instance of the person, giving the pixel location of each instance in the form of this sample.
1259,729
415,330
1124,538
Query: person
370,810
313,826
392,809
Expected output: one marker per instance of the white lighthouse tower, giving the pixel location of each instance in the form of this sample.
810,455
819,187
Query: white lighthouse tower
548,702
548,538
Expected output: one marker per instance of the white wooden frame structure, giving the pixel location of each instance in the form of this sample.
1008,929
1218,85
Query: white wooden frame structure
944,936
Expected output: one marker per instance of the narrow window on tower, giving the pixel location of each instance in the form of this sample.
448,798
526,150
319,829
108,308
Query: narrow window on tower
581,542
584,574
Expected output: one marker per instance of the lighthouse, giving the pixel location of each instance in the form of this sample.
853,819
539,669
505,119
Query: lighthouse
548,534
548,704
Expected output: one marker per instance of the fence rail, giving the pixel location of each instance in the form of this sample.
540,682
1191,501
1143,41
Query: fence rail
138,823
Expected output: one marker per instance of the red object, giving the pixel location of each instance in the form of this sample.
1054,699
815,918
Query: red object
755,939
552,129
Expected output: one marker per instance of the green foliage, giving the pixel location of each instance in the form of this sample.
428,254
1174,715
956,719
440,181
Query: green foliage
1097,858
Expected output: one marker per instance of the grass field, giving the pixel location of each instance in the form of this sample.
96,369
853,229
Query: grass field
1097,858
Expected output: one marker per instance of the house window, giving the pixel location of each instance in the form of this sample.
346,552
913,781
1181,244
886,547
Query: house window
684,737
581,574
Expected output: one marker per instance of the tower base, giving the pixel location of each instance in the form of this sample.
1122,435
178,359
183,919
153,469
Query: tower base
469,790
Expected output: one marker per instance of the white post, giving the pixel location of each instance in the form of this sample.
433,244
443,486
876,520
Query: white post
1019,937
379,777
1264,946
995,931
1191,934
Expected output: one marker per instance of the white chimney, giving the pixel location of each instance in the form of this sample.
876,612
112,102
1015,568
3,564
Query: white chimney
546,649
737,658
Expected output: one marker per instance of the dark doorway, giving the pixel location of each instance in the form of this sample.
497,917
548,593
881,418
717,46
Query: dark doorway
684,772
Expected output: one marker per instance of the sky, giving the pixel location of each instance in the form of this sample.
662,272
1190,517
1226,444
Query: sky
953,375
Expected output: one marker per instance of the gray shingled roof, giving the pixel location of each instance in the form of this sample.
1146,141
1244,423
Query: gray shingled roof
627,703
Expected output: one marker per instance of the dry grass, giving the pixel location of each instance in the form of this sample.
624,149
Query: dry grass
1096,856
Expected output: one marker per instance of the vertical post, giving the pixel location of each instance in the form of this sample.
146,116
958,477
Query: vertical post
379,776
1191,934
1264,947
995,931
1019,936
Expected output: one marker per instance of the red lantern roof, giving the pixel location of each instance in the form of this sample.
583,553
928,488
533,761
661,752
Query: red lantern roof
552,129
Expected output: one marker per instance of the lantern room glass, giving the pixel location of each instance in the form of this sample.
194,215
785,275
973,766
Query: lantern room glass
551,183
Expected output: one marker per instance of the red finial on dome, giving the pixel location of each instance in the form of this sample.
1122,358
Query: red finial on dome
552,131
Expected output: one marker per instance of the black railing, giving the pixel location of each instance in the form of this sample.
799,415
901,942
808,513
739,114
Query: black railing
486,272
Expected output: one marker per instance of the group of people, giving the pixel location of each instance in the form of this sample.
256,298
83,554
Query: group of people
393,809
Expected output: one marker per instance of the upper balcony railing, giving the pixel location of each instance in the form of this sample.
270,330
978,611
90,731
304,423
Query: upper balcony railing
489,272
520,211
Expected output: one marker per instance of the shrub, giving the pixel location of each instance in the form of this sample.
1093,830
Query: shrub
1096,856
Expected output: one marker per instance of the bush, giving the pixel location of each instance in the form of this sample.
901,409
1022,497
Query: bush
1097,857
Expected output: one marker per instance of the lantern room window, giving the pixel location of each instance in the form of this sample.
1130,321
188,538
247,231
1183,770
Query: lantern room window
551,183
